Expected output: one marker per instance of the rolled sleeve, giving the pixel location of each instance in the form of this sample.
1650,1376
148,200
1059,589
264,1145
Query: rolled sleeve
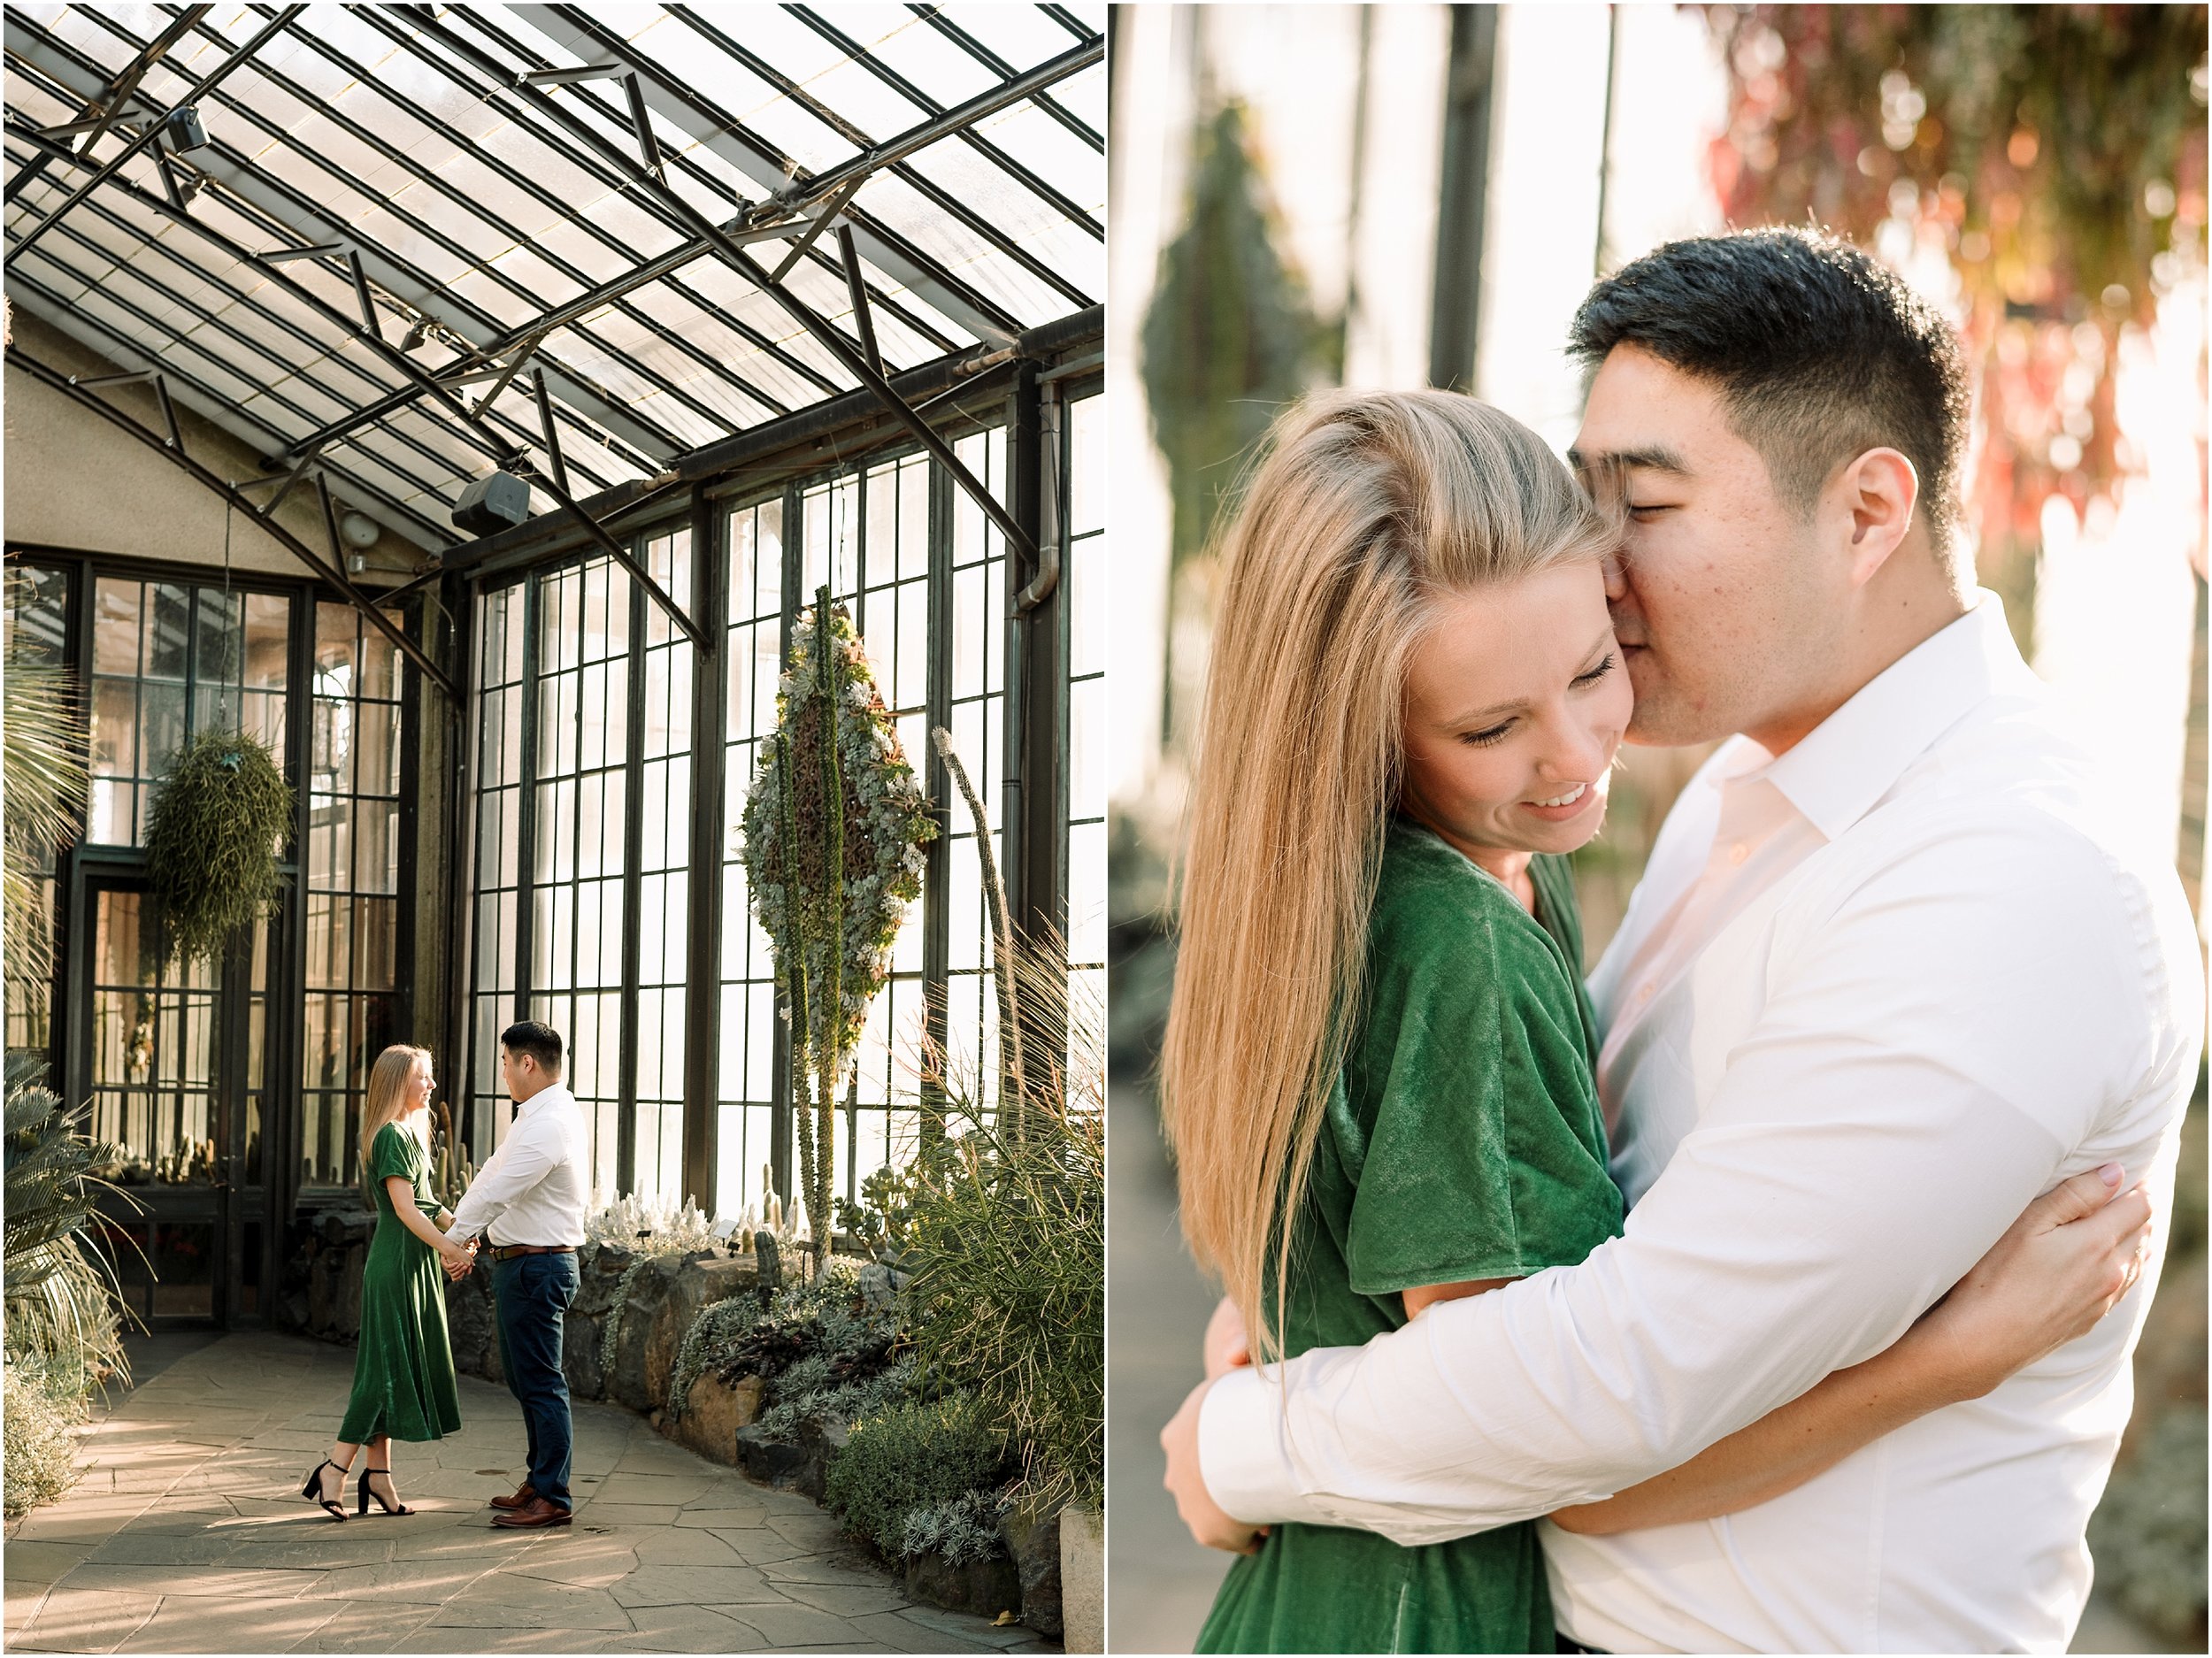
1921,1068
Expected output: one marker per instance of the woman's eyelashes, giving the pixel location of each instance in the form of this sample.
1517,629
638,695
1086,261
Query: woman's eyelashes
1491,734
1596,674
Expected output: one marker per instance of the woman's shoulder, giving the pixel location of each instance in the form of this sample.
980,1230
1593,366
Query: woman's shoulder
1431,895
393,1142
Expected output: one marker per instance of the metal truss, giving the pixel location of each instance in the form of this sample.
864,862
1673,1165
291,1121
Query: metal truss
170,443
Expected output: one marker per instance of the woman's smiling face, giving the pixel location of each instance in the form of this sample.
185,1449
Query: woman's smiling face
1515,704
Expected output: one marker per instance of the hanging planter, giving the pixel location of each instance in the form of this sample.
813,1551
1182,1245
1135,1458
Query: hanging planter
212,833
833,830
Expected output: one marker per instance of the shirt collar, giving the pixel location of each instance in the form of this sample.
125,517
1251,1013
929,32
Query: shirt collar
1839,770
546,1095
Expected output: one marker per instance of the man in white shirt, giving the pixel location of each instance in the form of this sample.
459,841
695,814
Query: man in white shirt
528,1200
1890,974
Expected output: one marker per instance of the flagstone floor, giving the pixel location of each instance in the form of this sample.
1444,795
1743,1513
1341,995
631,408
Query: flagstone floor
188,1534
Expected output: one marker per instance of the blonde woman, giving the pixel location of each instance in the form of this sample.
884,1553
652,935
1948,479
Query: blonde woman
1378,1070
403,1369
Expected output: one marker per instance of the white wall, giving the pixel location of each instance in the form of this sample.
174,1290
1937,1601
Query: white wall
73,481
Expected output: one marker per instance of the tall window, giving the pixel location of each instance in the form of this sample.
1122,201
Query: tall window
900,549
500,639
663,880
1087,710
583,791
579,802
977,723
587,896
169,659
352,883
745,1095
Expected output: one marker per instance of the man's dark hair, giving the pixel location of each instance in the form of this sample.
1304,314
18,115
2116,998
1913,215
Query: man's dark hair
1819,353
541,1042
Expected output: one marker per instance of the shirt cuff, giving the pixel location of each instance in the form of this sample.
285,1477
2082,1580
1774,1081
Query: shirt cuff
1242,1455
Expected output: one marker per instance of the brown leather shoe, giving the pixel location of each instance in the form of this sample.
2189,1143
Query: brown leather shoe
521,1498
536,1512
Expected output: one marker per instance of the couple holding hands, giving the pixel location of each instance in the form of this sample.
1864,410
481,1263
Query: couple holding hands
527,1205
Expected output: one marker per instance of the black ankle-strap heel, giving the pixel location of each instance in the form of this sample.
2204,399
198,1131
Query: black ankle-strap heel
314,1490
366,1491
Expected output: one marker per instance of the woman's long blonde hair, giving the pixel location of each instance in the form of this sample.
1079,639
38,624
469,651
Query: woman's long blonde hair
388,1077
1362,509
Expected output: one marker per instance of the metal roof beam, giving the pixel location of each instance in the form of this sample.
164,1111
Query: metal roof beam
935,16
969,310
103,108
833,342
217,409
810,202
264,265
304,221
928,189
199,89
335,575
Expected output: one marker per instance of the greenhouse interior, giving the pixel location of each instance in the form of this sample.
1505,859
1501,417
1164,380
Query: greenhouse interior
465,403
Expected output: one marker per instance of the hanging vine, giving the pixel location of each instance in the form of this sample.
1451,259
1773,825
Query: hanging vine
212,833
833,830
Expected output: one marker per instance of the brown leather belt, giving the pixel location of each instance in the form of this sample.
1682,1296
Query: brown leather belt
508,1252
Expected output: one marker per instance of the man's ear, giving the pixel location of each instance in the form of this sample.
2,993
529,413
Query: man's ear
1875,496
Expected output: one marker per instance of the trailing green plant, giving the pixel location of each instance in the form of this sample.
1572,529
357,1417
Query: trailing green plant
712,1334
913,1459
610,1332
1007,1241
833,826
218,819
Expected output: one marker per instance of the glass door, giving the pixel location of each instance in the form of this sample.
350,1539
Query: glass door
177,1080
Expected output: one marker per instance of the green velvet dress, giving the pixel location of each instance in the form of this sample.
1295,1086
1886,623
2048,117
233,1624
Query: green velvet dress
402,1370
1464,1141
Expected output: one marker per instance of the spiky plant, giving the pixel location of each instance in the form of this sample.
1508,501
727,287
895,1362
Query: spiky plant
63,1311
46,765
213,834
1007,1236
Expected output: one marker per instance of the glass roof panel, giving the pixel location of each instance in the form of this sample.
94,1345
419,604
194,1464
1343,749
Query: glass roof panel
479,202
1048,149
909,47
1021,36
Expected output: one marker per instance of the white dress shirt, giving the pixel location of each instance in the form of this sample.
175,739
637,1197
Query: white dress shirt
1871,999
532,1190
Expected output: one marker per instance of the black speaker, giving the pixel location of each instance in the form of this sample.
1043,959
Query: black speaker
495,502
187,130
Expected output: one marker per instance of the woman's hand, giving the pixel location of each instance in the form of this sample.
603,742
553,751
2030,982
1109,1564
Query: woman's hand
1210,1525
2065,1264
459,1260
1227,1346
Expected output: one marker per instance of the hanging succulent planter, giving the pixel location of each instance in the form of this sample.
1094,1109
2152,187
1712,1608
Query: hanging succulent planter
833,830
214,831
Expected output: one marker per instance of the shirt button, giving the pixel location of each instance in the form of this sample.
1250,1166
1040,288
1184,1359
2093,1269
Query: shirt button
1738,853
1643,993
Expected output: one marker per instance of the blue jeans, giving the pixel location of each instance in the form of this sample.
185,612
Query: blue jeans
534,1293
